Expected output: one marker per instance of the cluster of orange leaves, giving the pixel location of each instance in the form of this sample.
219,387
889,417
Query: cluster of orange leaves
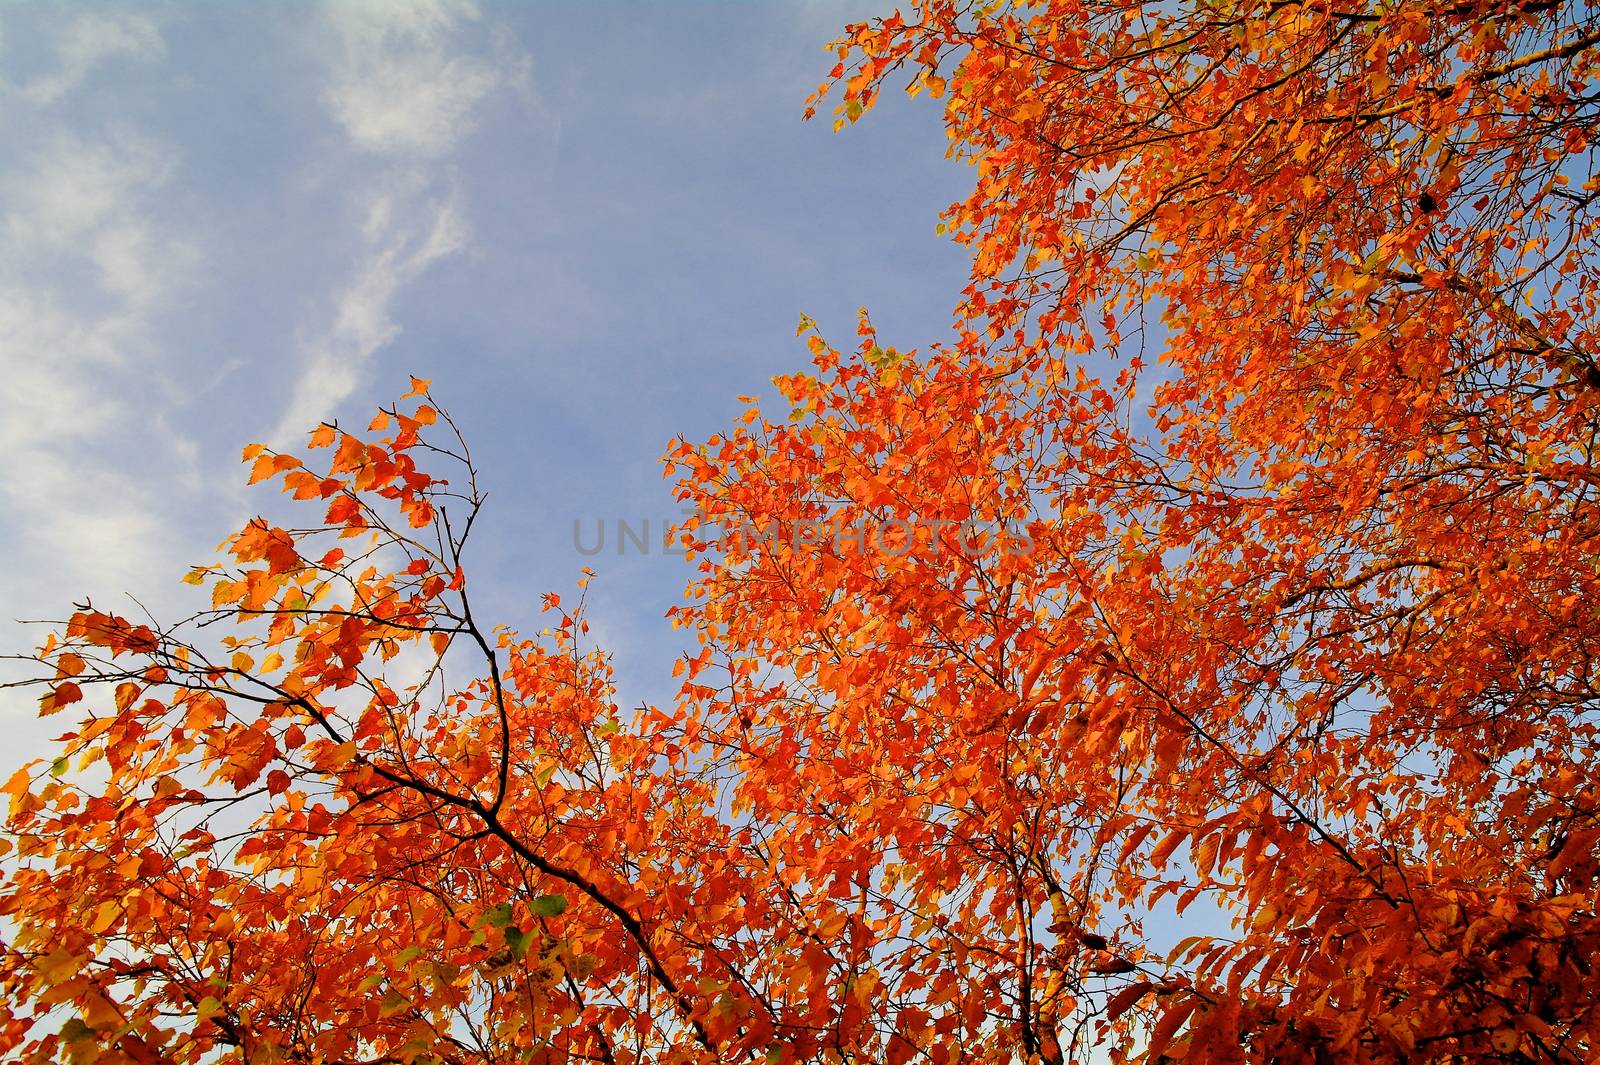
1294,629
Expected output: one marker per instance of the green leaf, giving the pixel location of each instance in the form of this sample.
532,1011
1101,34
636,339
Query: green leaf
392,1003
75,1030
498,916
549,905
882,357
517,940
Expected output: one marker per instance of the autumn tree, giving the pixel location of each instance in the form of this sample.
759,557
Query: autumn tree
1236,557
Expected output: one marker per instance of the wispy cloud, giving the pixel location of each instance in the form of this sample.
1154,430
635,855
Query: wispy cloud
409,227
76,198
400,84
405,85
87,41
83,264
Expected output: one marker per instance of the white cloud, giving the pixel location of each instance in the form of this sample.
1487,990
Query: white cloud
72,185
84,43
84,264
405,83
48,357
80,200
94,477
409,227
400,84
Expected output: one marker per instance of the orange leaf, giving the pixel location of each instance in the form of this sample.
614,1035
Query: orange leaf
63,694
1167,1026
18,784
262,469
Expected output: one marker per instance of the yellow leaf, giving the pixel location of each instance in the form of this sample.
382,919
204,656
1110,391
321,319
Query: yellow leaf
337,756
104,917
58,966
99,1013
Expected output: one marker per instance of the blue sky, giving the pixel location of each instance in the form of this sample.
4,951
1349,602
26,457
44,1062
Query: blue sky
592,225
